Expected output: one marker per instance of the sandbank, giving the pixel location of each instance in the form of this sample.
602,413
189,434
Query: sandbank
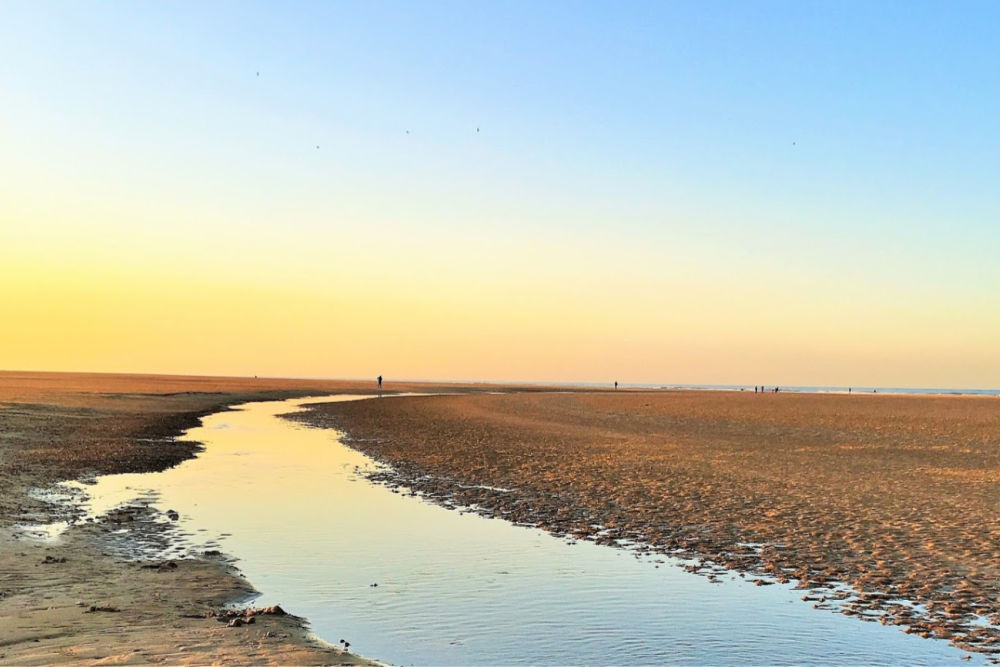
882,507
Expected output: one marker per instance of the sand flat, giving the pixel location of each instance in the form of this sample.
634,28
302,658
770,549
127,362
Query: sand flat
895,496
56,427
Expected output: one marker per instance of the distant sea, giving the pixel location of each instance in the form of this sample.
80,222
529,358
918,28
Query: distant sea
795,388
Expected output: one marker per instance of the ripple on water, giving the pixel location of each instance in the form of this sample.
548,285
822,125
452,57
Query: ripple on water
458,588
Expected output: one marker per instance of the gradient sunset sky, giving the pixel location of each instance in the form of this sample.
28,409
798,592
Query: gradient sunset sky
699,192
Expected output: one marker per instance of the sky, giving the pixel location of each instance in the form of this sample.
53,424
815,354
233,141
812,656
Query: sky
798,193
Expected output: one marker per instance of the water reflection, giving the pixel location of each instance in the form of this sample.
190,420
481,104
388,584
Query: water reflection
410,582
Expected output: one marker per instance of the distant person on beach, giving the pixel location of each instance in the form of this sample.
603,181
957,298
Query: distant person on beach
755,389
616,385
380,383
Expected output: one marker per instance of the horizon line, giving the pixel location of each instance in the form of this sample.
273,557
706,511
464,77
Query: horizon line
735,386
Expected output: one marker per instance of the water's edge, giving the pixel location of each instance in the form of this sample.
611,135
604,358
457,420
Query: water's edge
360,471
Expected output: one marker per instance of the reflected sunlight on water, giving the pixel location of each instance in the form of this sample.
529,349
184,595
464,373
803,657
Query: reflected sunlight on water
456,588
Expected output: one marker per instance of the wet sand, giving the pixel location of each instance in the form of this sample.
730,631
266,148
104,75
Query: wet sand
73,601
897,497
867,502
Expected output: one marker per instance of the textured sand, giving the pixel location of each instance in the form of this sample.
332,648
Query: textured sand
62,426
896,496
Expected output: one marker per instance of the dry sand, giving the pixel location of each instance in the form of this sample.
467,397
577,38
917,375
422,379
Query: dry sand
56,427
896,497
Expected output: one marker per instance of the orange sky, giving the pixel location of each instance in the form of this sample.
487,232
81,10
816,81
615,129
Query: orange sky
88,305
528,196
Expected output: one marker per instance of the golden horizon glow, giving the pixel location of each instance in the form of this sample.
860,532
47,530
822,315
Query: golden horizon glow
354,318
173,211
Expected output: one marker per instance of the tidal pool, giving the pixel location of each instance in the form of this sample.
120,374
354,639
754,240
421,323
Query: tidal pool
409,582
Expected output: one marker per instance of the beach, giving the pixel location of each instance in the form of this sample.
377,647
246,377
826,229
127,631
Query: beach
423,333
883,507
71,601
868,503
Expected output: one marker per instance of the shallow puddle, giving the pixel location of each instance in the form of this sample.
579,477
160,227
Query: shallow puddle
409,582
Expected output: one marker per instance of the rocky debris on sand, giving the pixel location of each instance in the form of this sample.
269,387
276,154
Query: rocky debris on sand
95,608
244,616
273,610
161,567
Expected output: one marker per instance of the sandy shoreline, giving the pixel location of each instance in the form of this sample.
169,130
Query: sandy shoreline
895,496
70,603
866,502
56,427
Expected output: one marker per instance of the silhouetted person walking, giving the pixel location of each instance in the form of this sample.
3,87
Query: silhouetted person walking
380,386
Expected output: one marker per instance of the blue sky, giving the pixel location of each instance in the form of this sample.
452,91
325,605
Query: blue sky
850,148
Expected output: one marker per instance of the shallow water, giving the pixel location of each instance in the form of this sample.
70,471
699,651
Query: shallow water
457,588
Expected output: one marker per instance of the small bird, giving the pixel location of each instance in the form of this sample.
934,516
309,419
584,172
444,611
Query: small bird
477,130
347,645
317,147
258,73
